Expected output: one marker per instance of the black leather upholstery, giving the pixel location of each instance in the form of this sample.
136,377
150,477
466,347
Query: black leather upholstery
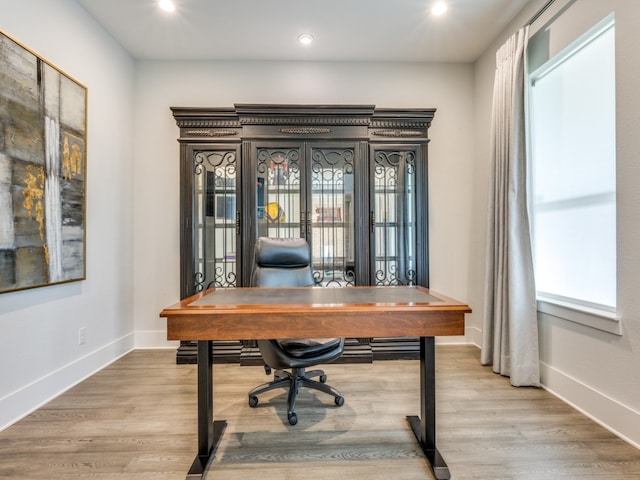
282,262
286,262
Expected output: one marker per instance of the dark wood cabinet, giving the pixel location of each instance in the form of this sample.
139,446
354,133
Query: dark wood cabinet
351,179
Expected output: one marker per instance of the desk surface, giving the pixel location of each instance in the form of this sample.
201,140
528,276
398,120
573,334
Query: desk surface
314,297
230,313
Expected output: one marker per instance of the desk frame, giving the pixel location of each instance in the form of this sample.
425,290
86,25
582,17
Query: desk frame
232,322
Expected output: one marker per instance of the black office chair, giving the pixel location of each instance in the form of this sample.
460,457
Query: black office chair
286,262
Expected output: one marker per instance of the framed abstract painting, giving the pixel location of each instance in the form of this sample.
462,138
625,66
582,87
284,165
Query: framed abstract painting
43,133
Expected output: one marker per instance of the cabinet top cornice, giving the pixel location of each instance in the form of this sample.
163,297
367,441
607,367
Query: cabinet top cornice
229,121
302,114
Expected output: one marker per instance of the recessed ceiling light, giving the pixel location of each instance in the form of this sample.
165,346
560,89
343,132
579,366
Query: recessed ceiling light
305,38
439,8
167,5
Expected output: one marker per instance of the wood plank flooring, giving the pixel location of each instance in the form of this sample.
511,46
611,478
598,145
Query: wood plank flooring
136,419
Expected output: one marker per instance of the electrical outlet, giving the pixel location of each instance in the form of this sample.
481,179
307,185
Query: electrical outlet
82,335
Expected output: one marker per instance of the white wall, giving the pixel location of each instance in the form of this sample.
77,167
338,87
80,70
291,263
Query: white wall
159,85
595,371
39,351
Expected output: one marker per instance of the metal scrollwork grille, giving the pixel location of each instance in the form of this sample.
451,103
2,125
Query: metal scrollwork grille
394,219
331,217
215,239
278,193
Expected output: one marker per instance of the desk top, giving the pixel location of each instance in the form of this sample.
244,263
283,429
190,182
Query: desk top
314,296
261,313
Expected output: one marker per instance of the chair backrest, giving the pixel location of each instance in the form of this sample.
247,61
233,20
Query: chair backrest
282,262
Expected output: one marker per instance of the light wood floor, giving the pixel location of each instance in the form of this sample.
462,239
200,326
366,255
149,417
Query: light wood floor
136,419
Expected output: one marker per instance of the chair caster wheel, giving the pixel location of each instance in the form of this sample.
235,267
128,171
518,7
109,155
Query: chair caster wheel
253,401
323,379
339,401
293,419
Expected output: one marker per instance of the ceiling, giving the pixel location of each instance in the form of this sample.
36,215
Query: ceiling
344,30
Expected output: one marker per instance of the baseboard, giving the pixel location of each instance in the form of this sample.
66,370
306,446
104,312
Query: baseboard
456,340
619,419
22,402
473,336
152,339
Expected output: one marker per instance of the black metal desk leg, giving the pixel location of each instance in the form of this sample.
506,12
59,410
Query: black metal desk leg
424,427
209,432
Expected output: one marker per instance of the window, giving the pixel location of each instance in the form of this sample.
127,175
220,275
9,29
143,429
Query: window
573,174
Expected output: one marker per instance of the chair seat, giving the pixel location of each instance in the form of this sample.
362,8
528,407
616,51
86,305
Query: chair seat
309,347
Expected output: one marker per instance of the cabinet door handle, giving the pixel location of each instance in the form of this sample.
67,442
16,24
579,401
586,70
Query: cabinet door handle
308,221
372,221
302,225
238,223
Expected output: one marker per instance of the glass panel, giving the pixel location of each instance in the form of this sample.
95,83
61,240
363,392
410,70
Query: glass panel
331,216
215,219
394,202
571,148
566,237
574,171
278,193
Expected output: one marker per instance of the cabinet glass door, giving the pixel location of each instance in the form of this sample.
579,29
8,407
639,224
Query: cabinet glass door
215,219
278,193
330,215
394,217
308,191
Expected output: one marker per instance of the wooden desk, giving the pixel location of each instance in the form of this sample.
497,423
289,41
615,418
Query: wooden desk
263,313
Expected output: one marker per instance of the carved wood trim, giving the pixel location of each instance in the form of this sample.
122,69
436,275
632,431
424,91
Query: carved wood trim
398,133
378,123
212,133
206,123
311,120
305,130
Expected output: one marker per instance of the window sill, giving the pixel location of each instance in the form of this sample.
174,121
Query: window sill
589,317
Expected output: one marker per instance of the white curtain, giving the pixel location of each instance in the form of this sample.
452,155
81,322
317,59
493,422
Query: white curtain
510,331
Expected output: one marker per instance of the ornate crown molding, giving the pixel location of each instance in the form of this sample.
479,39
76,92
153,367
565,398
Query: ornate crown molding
392,124
303,120
206,123
310,120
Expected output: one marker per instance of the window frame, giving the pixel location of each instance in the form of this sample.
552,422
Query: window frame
591,315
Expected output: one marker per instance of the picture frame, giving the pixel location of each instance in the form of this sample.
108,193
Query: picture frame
43,137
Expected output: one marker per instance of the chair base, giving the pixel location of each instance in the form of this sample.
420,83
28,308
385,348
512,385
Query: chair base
292,381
